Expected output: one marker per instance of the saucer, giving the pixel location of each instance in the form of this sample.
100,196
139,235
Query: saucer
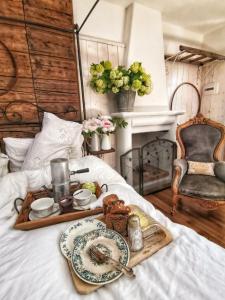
55,212
84,207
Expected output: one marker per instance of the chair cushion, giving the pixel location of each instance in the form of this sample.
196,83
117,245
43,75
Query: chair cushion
203,186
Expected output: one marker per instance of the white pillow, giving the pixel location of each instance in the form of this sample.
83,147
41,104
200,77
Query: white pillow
76,149
3,164
55,140
16,149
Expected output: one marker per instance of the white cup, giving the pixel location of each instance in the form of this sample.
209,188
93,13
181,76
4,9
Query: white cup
82,197
42,207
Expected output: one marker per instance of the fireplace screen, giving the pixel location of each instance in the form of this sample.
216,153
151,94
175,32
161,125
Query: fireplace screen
149,168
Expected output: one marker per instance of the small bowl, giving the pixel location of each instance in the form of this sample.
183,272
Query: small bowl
82,197
42,207
66,203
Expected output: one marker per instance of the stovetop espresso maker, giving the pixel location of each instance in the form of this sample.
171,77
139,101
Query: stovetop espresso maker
61,177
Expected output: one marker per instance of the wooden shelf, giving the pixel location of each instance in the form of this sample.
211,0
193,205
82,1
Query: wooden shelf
101,152
194,56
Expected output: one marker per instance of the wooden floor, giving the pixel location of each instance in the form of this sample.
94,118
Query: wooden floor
209,224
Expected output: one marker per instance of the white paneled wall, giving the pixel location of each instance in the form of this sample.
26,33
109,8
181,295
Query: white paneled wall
93,51
213,106
186,97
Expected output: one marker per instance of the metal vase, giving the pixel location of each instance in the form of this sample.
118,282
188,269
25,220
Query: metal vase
125,101
95,142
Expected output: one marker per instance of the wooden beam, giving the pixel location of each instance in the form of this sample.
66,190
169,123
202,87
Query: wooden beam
202,52
189,61
208,61
170,57
198,58
186,57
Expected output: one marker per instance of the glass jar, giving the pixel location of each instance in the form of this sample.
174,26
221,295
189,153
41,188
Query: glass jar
135,233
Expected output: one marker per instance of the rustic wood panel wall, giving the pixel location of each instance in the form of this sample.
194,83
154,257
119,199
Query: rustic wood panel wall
45,58
186,98
213,106
93,51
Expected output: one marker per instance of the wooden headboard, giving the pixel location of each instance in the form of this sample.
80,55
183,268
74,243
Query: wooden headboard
38,65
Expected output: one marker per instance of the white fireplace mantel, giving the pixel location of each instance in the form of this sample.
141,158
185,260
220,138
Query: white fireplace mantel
143,122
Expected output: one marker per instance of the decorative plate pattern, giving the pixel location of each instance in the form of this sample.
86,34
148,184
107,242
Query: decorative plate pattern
109,242
78,228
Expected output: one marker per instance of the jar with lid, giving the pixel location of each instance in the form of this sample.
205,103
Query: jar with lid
134,233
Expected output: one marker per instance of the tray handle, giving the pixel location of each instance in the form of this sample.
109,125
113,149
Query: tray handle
15,204
106,187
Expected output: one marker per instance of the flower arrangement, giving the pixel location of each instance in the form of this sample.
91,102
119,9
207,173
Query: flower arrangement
91,126
102,125
107,125
105,78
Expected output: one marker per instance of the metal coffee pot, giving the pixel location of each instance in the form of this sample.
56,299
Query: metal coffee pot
61,177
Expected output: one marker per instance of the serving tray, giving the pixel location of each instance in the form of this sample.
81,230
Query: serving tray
151,246
23,222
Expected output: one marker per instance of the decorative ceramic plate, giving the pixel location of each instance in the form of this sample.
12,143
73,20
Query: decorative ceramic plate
109,242
85,207
55,212
78,228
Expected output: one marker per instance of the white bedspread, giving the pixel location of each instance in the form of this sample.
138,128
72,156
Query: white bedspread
32,267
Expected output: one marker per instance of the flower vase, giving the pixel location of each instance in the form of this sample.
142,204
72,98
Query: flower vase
94,144
106,142
125,101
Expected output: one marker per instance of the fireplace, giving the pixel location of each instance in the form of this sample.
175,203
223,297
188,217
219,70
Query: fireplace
133,158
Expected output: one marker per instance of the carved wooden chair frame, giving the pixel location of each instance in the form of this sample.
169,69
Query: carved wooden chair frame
218,155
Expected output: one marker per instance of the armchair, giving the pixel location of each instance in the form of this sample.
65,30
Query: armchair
200,140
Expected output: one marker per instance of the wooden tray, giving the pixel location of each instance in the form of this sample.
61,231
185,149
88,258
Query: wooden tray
23,222
150,247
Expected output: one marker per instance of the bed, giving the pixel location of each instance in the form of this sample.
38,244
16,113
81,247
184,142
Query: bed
32,267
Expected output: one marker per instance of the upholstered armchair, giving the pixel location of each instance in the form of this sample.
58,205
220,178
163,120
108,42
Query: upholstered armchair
200,140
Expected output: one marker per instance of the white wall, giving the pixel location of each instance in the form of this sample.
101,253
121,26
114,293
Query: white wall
213,106
186,98
214,41
92,51
174,36
106,21
144,42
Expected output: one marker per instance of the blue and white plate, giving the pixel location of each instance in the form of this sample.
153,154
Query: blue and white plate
78,228
109,242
